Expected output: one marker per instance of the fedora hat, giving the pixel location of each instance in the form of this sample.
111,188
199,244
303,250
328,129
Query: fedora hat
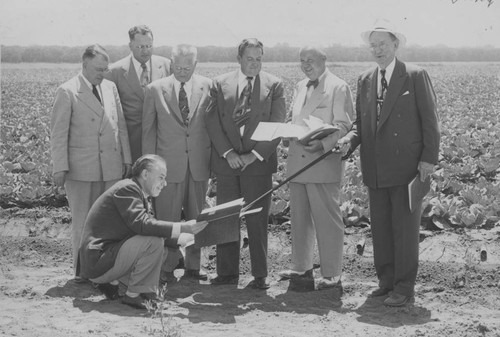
384,25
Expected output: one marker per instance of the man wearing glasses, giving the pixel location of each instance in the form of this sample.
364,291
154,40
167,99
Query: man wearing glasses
89,142
173,127
131,75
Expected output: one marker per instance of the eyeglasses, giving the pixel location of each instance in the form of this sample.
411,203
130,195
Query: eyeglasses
182,68
144,47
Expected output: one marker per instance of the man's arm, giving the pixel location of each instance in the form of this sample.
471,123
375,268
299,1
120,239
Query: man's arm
123,134
350,142
59,135
278,114
214,124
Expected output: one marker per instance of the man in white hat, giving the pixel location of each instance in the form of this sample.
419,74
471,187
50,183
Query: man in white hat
397,127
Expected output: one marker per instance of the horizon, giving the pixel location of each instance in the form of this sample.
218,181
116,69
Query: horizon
224,23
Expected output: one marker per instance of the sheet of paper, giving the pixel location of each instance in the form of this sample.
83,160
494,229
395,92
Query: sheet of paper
267,131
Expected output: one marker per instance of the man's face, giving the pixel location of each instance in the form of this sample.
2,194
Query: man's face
383,48
312,64
154,180
183,67
94,69
251,61
142,47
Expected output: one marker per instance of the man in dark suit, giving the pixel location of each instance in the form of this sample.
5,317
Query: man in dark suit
122,241
131,75
174,128
397,127
243,167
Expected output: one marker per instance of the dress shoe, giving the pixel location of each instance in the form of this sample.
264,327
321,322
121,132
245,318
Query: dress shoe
196,274
80,280
327,283
259,283
378,292
109,290
397,300
225,279
138,302
288,274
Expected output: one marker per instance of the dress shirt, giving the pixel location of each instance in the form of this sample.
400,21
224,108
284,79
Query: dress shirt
87,82
138,68
388,73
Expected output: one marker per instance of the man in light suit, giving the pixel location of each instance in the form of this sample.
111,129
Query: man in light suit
397,127
131,75
174,127
243,167
122,241
315,193
89,142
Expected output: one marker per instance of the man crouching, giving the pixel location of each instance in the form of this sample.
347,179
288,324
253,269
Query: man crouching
122,241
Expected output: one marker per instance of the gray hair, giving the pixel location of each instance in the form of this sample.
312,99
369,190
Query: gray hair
184,50
315,49
146,162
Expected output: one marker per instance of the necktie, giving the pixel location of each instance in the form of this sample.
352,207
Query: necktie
380,99
96,93
243,105
313,83
183,104
144,75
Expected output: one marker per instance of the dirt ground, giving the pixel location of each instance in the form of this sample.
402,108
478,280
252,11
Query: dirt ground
458,291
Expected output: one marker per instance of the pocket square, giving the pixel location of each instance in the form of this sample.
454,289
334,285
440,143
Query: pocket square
406,93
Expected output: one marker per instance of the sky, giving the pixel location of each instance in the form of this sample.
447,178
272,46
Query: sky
226,22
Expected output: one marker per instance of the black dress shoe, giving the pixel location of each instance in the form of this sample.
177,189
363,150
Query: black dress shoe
398,300
109,290
137,302
380,291
225,279
259,283
196,274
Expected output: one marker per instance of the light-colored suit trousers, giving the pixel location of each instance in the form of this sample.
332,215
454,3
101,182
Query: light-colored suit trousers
81,196
188,195
315,210
137,264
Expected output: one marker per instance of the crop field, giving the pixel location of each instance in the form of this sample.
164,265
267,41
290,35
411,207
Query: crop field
465,187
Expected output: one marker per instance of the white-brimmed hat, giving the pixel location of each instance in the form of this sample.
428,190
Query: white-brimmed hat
384,25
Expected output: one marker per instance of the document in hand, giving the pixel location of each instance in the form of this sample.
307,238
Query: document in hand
315,128
417,190
223,223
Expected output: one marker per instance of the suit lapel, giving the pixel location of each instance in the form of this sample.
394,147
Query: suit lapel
172,101
371,97
317,96
87,97
197,92
157,69
132,79
396,83
299,100
259,94
107,96
230,93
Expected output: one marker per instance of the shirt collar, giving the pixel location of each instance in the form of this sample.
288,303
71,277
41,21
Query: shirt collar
388,70
242,80
187,85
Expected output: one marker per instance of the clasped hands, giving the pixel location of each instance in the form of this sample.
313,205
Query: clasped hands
237,161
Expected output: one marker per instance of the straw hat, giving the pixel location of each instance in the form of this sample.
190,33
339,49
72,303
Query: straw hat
384,25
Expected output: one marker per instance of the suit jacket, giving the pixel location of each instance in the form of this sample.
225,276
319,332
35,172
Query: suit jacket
268,105
408,130
117,215
164,132
330,101
123,74
89,140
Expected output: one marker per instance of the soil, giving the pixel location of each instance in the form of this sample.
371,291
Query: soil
457,293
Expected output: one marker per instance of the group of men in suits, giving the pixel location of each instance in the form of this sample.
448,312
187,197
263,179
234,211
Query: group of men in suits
199,127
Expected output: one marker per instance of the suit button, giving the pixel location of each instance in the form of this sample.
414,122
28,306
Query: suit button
303,156
399,115
187,151
101,151
93,119
187,134
395,134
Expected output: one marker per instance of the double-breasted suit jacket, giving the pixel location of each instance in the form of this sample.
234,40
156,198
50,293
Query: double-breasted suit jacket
89,140
331,102
408,129
124,75
165,134
268,105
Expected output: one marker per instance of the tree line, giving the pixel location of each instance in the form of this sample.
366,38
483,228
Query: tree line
277,53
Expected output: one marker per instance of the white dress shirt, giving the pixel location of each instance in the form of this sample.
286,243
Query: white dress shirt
138,68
